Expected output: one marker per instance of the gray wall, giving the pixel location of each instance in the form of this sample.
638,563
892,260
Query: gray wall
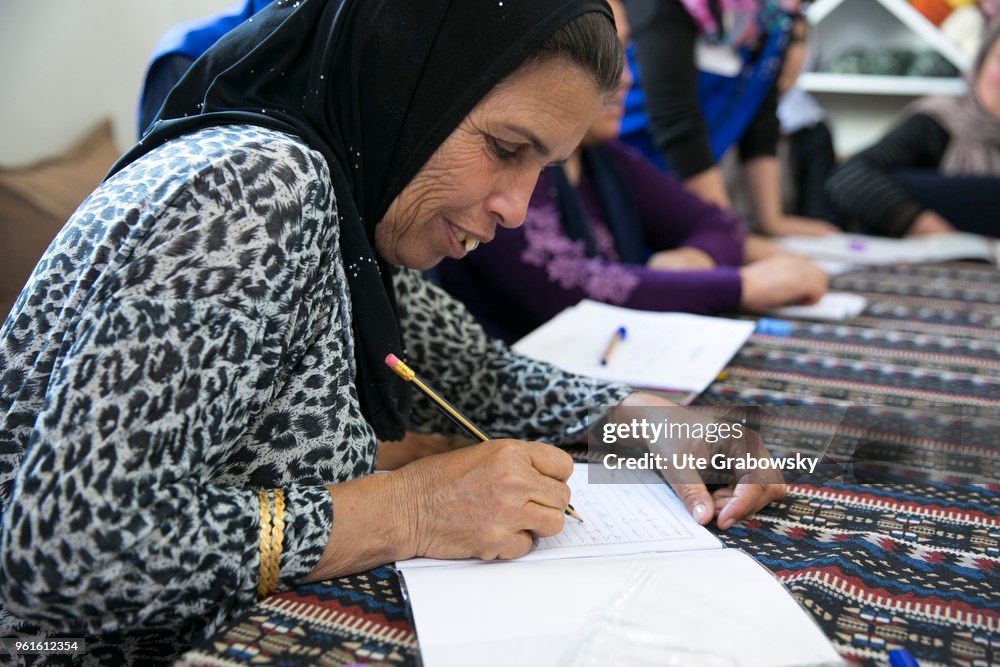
66,64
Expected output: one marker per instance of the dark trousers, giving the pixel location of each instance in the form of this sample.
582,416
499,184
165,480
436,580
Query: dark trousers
812,160
971,203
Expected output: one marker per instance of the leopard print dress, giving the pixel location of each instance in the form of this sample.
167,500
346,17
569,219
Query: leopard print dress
184,341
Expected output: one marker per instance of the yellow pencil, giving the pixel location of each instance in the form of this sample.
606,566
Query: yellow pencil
405,372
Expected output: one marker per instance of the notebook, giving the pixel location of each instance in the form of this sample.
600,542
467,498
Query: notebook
670,351
638,573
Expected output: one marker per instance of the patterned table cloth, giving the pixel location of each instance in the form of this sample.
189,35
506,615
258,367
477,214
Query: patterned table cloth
912,564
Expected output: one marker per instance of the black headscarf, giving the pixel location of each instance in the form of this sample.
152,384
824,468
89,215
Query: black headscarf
375,86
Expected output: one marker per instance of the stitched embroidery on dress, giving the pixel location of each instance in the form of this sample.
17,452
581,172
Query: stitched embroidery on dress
565,262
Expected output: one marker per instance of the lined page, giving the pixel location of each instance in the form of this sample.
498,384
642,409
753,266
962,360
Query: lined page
619,519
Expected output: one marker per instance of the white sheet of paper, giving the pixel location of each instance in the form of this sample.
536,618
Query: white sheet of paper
861,249
718,602
620,518
833,307
832,268
660,351
717,59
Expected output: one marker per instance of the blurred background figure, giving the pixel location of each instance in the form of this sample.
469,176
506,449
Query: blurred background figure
180,47
806,145
938,170
709,80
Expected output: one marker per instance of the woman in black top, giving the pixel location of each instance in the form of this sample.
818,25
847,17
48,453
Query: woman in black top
938,171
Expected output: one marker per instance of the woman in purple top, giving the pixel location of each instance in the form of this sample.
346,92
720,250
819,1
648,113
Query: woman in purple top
607,225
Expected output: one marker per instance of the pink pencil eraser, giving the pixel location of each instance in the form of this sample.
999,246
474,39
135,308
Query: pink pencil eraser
391,360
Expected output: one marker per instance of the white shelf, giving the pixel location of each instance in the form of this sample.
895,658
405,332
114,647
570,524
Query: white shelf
908,16
861,108
905,13
870,84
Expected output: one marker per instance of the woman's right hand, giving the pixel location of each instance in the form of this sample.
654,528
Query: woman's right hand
487,501
781,280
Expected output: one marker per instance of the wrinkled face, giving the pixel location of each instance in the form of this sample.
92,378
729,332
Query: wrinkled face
988,81
485,171
608,123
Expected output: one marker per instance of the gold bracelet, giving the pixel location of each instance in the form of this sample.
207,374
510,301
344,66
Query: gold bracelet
277,536
263,574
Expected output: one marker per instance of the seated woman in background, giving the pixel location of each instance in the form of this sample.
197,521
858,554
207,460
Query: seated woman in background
192,381
610,226
938,171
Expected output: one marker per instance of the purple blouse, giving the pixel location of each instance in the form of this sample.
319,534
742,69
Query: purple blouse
525,276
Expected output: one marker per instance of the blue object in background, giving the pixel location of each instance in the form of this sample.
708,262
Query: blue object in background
181,46
900,657
772,327
728,103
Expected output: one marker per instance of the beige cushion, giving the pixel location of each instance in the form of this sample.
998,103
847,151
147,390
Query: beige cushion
36,201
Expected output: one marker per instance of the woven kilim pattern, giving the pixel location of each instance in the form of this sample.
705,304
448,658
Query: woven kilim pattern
880,566
360,619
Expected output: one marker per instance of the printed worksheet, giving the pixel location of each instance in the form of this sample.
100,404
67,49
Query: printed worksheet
638,513
676,351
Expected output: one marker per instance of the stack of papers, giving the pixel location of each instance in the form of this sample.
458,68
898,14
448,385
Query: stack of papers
673,351
860,249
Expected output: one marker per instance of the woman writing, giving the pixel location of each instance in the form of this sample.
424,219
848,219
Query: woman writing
199,354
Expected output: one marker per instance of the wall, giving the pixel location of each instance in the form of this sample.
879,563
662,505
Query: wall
66,64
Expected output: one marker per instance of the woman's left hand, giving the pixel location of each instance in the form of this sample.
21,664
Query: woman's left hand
681,259
393,455
745,491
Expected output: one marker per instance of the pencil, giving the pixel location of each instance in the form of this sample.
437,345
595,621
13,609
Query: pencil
618,336
405,372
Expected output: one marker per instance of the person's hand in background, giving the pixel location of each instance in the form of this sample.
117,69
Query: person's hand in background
928,223
781,280
797,225
681,259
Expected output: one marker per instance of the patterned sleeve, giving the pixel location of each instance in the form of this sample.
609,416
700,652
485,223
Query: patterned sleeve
507,394
117,520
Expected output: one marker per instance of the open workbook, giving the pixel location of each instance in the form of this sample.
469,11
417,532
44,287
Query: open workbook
638,581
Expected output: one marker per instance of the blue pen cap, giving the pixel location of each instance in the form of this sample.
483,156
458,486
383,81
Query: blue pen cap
900,657
772,327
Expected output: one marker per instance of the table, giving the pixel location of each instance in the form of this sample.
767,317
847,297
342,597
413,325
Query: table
878,565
